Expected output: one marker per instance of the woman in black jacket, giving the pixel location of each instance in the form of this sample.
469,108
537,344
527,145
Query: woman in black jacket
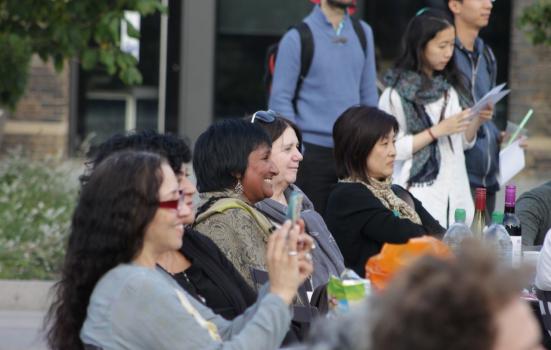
365,210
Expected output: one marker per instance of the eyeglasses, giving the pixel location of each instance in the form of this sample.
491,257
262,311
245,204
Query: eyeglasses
264,116
175,204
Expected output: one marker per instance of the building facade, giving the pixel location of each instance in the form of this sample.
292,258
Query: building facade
205,61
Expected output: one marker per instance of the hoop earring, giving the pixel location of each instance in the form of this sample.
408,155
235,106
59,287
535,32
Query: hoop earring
238,187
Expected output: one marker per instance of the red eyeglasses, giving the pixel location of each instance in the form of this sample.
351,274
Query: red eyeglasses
175,204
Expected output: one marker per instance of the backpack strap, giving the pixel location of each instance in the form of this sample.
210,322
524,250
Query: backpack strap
360,33
307,51
491,63
306,56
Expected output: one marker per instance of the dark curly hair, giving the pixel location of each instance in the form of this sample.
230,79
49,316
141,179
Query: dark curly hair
171,147
446,304
115,205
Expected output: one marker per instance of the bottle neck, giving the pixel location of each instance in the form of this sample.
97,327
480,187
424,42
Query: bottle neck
509,209
480,204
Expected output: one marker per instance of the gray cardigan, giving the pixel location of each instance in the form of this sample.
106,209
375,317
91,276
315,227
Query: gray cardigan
137,308
533,209
327,257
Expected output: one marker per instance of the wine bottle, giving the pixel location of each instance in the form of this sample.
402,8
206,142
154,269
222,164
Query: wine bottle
479,221
512,223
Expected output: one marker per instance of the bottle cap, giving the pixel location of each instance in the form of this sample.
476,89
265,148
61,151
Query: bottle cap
460,215
510,195
497,217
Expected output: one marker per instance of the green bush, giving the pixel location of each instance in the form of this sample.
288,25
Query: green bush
37,198
535,20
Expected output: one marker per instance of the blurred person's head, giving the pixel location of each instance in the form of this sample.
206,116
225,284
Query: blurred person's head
364,143
129,206
472,14
469,303
235,155
286,145
171,147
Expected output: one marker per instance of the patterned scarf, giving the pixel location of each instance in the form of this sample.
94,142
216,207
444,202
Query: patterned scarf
383,191
415,92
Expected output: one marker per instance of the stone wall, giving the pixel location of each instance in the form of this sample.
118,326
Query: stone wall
40,122
530,82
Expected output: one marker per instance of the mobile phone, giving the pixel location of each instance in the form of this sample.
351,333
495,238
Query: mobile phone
294,206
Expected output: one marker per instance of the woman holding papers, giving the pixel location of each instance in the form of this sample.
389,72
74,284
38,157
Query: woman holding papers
425,94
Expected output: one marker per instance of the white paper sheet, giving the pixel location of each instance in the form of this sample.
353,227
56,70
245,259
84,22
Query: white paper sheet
511,162
491,98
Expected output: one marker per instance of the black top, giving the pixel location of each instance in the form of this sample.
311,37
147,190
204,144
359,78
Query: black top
361,224
212,279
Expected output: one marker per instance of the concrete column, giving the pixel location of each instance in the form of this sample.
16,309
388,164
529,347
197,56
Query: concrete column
197,62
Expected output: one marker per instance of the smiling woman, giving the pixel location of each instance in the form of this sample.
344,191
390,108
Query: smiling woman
234,171
286,154
111,294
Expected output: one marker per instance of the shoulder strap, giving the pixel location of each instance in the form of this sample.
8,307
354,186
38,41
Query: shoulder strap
360,33
306,55
491,63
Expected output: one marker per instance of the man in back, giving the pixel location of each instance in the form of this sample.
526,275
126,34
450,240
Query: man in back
341,74
476,61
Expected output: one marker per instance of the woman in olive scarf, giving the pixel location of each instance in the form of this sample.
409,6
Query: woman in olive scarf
365,210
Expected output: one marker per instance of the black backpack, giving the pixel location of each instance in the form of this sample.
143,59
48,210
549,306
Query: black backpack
306,55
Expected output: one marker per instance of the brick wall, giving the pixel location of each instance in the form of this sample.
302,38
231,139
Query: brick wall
40,122
529,78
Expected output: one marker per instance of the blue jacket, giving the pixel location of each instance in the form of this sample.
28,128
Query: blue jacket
480,69
340,76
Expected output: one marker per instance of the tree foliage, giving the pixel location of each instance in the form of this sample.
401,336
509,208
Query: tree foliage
536,22
59,29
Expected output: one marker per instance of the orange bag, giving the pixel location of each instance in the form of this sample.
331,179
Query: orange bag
382,267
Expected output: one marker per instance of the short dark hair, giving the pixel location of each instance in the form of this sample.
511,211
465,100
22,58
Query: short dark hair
276,128
446,304
169,146
108,227
222,153
355,133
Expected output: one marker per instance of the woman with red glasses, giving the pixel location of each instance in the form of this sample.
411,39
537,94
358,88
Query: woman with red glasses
199,266
112,295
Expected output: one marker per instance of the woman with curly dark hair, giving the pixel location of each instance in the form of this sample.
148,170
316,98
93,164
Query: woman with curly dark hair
111,294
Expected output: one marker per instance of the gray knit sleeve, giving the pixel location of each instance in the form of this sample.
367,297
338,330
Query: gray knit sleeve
150,315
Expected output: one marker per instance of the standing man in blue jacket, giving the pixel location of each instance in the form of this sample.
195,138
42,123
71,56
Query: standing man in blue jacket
341,74
477,62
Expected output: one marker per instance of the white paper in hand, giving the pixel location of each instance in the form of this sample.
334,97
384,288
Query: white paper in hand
511,162
491,98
